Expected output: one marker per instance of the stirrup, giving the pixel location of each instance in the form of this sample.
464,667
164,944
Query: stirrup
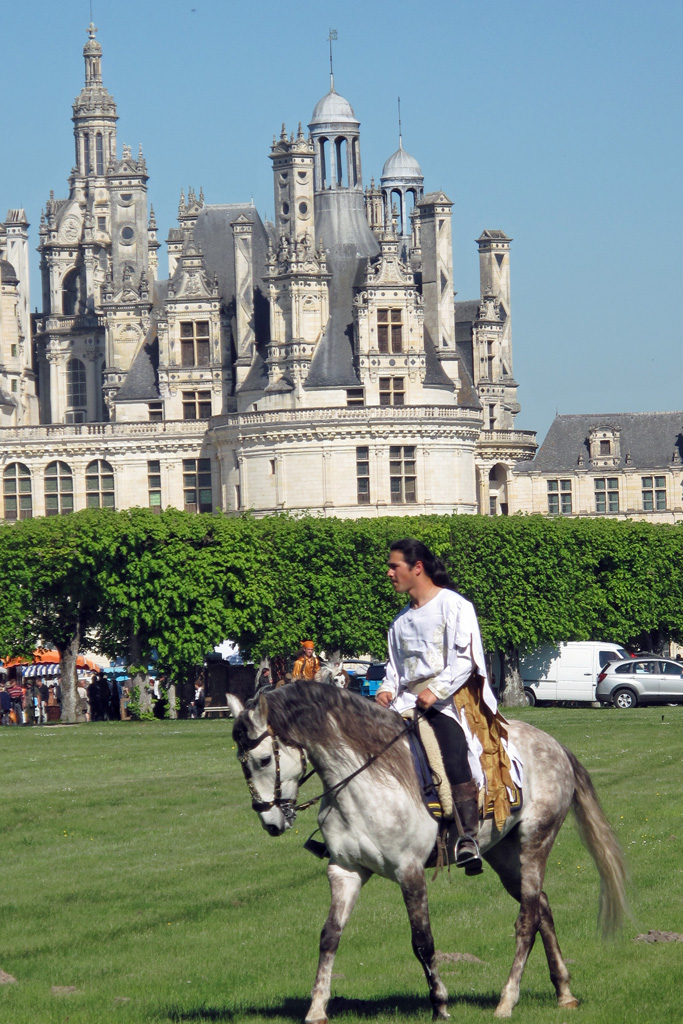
467,855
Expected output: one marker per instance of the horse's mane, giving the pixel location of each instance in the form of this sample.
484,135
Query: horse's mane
302,713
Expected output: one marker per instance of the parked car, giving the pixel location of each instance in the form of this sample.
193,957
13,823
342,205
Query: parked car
356,668
374,678
566,671
651,680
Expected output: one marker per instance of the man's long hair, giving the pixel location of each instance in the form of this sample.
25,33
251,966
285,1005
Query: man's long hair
415,551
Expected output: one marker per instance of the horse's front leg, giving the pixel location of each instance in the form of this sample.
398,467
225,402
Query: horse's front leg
414,889
345,886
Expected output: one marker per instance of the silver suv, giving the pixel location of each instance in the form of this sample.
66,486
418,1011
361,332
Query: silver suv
650,680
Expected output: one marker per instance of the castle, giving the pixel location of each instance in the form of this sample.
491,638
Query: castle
318,362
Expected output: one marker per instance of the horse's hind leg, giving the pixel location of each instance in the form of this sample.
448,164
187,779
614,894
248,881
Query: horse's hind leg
414,889
559,974
345,886
521,872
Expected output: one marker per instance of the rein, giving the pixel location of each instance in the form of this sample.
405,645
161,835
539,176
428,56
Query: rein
339,785
288,807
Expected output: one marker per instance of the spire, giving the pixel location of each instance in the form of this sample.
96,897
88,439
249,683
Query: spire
331,38
94,116
400,134
92,54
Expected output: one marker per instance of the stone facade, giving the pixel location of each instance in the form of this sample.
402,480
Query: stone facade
622,465
318,362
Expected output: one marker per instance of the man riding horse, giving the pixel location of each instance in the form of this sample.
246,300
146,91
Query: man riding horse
436,664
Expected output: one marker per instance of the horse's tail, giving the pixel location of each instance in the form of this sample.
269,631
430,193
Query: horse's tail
599,839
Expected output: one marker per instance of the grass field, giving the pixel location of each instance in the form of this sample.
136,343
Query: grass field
136,877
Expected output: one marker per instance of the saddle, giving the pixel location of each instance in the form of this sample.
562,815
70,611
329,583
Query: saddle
497,798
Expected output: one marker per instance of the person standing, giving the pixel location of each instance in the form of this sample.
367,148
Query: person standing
197,705
43,698
435,649
16,695
29,703
5,705
307,663
83,700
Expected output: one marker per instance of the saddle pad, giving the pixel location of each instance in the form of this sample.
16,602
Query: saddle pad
427,742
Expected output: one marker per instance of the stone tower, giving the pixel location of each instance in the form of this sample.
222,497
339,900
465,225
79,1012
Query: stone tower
491,334
436,242
402,185
343,230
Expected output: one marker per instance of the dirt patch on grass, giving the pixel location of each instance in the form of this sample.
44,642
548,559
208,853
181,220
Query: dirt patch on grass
455,958
655,936
65,990
6,979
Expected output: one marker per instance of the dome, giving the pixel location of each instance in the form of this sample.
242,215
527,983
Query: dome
333,107
402,165
8,274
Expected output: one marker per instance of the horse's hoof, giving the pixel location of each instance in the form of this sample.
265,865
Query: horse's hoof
568,1004
502,1011
441,1014
315,1020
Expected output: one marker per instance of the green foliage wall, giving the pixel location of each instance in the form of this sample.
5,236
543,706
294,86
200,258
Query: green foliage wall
131,582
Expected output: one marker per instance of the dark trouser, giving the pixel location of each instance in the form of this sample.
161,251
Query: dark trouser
463,833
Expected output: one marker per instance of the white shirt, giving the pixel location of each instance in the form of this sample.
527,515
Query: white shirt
436,647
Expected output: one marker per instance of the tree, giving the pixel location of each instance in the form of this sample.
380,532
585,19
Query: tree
53,569
177,585
528,581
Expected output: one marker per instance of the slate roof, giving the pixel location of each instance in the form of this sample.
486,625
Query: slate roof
467,395
142,380
332,364
214,238
649,438
435,375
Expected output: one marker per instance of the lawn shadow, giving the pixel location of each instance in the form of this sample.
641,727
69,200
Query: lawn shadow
294,1008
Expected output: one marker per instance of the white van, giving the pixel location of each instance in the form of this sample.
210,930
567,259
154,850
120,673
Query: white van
566,671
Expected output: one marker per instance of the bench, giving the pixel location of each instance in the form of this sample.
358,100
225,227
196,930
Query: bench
213,709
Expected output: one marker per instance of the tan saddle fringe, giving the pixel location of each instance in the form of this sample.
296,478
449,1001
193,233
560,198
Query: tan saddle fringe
490,730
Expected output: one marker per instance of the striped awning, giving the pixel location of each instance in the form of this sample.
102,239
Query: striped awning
45,669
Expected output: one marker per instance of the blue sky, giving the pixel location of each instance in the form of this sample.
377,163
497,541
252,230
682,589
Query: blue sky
558,122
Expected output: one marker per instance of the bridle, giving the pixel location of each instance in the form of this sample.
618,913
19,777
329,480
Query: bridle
286,806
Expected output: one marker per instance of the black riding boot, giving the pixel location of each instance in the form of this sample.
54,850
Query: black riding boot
466,805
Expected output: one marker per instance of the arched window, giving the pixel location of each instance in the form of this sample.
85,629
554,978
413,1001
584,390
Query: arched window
323,163
340,153
18,501
99,153
73,293
355,162
86,154
397,205
59,489
99,485
76,391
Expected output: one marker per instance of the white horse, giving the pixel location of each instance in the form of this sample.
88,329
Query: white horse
373,820
333,672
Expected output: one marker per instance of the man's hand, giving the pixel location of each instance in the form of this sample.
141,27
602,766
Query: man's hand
426,698
384,698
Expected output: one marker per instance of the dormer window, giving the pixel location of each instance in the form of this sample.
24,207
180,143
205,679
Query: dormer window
389,330
604,444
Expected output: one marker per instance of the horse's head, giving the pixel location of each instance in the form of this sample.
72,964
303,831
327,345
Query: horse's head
272,769
332,672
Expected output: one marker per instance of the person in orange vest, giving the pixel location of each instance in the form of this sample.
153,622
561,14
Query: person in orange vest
307,663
